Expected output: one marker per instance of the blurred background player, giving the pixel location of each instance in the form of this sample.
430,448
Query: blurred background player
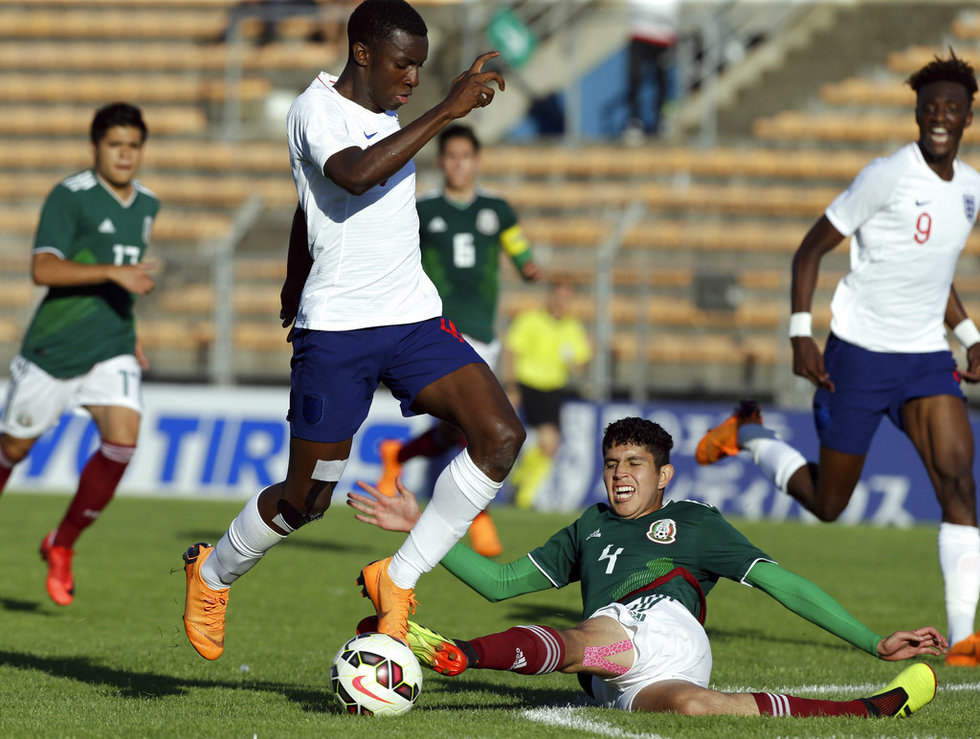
645,569
364,312
653,27
909,216
463,230
544,347
80,349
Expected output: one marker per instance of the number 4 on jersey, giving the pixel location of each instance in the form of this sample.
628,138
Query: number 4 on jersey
611,555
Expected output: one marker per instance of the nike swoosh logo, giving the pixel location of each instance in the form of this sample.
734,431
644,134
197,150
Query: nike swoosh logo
922,202
370,135
356,682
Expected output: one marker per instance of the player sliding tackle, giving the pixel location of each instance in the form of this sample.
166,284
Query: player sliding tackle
645,568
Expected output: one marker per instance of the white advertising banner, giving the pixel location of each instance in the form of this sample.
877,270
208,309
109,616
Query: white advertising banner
207,441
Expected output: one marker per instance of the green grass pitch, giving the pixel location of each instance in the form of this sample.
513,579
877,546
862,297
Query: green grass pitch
116,662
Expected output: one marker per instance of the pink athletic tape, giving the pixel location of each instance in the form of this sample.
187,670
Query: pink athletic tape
596,656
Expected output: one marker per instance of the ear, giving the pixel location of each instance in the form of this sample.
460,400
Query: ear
360,54
666,475
969,119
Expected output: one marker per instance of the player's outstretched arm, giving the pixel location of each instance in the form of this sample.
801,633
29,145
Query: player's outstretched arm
817,606
907,644
492,580
397,512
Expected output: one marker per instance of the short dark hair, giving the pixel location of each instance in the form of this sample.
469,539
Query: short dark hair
458,131
376,20
953,69
641,432
116,114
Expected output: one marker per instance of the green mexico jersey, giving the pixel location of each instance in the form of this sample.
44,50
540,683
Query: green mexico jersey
461,255
679,551
76,327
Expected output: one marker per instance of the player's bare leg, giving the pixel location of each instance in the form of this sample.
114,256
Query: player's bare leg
940,430
267,518
826,488
471,399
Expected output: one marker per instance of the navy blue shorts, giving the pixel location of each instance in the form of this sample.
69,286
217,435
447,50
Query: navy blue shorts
870,385
335,373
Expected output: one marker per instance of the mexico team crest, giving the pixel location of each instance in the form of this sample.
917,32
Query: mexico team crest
487,221
969,207
663,531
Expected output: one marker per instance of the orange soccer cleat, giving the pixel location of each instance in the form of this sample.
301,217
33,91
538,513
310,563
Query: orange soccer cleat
60,582
204,607
965,653
722,440
391,468
393,604
483,536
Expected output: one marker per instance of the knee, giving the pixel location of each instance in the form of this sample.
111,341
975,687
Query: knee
691,703
827,513
15,449
499,445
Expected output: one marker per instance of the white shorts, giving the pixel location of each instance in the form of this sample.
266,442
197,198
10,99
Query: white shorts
36,400
668,644
489,353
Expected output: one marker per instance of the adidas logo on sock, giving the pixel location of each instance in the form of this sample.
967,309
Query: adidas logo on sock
519,660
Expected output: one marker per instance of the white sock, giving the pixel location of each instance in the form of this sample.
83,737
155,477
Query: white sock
776,459
461,492
245,542
959,560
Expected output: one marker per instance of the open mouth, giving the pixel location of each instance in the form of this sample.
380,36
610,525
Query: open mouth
939,135
623,492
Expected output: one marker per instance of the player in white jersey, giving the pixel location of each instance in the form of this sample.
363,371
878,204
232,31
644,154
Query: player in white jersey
908,216
365,312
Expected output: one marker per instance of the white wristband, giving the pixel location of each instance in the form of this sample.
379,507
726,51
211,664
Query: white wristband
966,331
800,324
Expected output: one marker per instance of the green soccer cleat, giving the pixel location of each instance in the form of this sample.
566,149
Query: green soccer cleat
913,688
437,652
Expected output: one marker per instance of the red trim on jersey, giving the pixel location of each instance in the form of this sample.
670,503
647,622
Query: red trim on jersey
676,572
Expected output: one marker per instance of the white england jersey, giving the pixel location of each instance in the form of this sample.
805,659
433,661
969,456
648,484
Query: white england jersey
367,268
908,227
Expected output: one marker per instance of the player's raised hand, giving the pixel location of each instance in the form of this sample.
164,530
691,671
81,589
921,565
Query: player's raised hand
397,512
906,644
472,88
808,362
134,277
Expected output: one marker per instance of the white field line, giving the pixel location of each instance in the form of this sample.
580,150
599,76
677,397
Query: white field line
858,688
570,717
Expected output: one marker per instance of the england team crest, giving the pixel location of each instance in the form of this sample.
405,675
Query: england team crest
969,207
663,531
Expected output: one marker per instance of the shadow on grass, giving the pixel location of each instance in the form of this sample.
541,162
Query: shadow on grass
23,606
722,635
523,695
211,537
144,685
147,685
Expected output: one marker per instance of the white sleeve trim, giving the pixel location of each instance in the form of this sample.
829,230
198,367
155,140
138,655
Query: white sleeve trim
747,584
49,250
541,570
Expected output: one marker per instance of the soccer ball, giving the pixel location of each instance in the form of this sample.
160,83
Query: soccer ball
376,675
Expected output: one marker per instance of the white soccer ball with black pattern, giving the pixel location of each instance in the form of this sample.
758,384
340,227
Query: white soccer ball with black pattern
376,675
